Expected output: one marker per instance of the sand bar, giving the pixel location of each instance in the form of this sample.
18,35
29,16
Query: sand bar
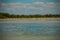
31,19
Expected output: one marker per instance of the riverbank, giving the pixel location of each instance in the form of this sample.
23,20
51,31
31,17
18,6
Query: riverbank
30,19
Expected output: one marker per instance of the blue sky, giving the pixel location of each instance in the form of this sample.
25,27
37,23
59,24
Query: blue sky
30,6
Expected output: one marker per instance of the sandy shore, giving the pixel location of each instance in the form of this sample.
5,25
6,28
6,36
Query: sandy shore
31,19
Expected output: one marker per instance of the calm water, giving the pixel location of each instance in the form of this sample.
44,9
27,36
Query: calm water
30,29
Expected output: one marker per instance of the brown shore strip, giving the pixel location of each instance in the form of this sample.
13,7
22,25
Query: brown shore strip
30,19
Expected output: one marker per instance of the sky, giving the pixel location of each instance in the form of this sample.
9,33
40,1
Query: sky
30,6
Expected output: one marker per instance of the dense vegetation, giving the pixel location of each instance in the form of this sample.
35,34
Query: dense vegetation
7,15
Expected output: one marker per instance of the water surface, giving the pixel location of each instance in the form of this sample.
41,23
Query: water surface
30,29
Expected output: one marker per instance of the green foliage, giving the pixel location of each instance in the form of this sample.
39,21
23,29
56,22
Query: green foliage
1,16
7,15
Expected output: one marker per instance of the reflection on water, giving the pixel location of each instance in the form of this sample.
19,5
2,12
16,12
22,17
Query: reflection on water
30,30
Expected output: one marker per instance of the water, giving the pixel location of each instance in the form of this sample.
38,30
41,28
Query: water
29,30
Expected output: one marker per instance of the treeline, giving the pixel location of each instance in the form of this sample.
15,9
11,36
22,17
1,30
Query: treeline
7,15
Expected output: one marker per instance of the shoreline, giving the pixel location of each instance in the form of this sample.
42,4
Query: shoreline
30,19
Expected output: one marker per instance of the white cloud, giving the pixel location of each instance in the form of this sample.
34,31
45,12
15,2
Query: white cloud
38,3
41,8
17,5
31,7
54,4
51,3
14,6
4,5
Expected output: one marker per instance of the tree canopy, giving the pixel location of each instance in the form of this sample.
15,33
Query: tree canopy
7,15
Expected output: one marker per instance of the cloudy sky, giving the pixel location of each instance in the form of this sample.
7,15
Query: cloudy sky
30,6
